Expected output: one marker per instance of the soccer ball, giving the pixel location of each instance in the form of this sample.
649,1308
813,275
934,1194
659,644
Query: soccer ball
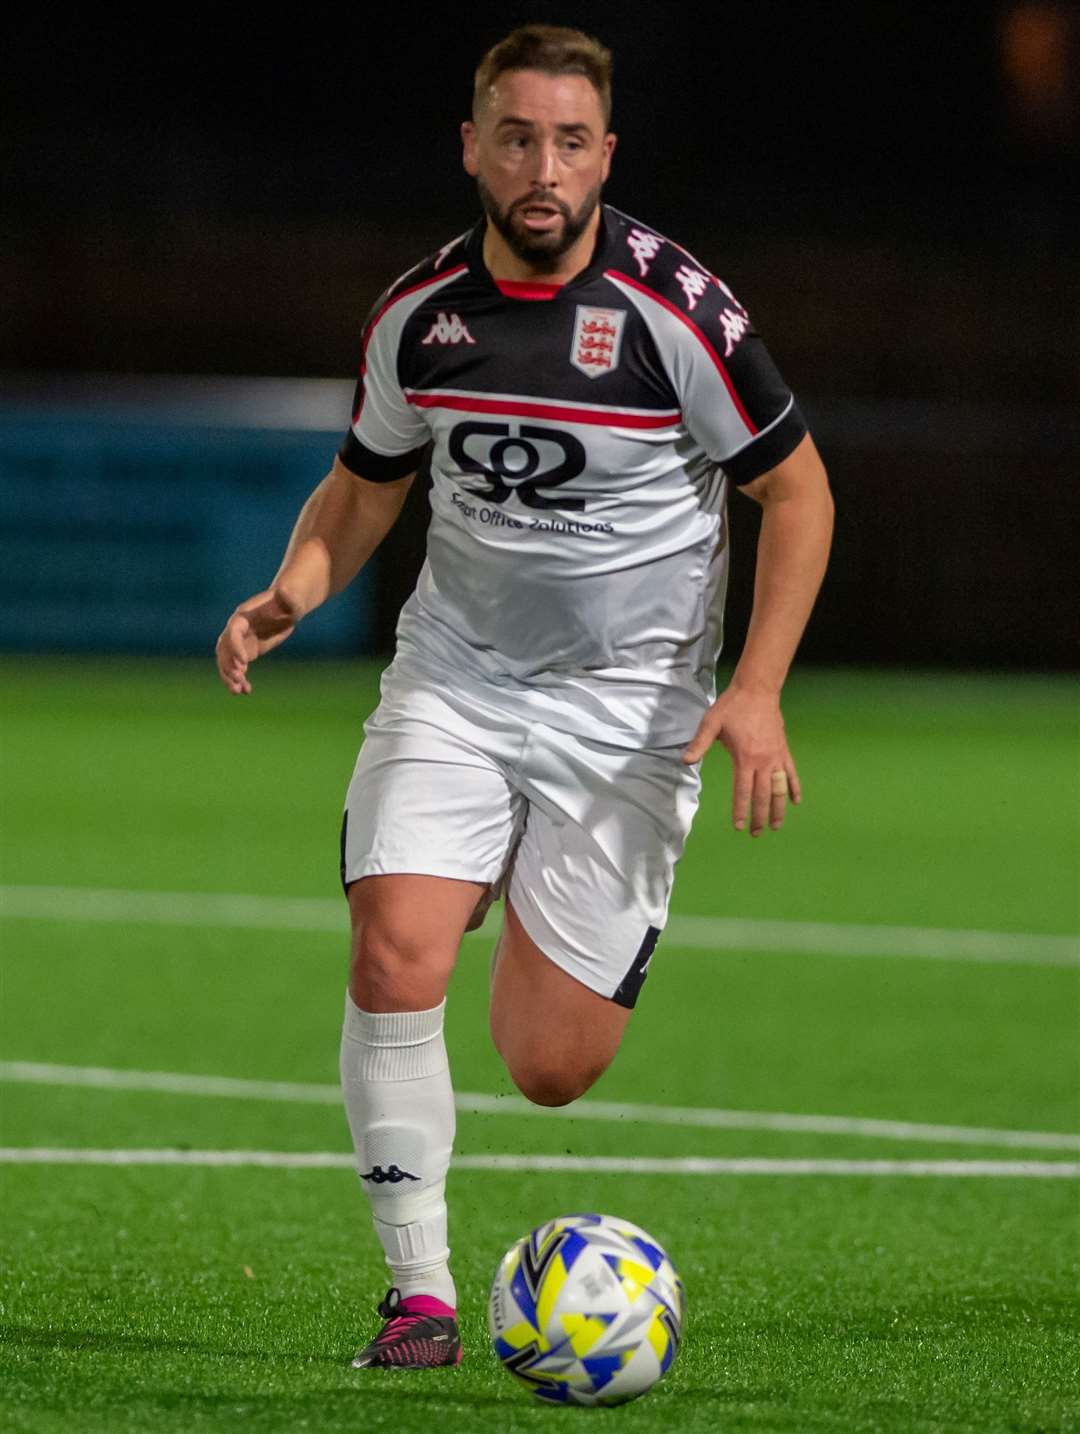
587,1309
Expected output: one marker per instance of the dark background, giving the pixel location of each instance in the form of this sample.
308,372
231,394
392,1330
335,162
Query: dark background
889,187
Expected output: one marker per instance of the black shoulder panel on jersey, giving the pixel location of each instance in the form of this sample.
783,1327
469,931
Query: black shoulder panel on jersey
478,341
435,266
375,467
367,462
450,256
708,308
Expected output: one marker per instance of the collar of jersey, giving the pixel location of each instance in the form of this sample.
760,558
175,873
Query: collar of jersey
598,263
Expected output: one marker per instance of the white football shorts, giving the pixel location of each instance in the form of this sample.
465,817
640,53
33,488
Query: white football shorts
446,784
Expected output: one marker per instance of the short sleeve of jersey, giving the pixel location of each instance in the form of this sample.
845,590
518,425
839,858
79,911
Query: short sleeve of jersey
734,401
387,436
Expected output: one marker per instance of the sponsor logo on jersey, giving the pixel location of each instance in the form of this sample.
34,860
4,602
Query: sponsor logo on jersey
519,458
644,248
448,329
597,340
693,284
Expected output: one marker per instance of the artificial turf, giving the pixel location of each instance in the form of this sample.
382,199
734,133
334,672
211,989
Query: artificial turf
177,1299
853,1305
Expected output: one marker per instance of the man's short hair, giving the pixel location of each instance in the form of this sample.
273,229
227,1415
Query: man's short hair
553,49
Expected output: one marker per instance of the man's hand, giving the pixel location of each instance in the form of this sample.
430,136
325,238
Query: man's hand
749,724
796,526
257,626
339,527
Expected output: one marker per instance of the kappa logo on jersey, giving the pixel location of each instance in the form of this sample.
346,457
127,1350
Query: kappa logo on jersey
518,459
734,326
644,248
448,329
693,283
597,340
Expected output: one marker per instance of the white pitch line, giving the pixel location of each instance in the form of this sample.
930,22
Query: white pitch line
818,938
593,1165
169,1083
694,1165
704,1118
173,908
270,1159
699,933
479,1103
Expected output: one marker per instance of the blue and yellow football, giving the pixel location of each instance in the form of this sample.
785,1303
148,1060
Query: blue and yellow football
587,1309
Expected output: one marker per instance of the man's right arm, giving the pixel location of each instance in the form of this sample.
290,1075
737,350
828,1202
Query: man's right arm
339,527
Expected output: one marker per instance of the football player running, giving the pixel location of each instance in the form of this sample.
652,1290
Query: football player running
589,392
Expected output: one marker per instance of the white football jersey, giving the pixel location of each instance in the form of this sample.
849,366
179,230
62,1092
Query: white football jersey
582,438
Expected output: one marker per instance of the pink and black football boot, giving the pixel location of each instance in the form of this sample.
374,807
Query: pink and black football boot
420,1333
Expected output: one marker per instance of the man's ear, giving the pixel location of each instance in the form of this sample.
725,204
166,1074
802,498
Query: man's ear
468,142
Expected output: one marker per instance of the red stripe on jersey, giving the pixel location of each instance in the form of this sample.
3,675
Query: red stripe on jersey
526,289
522,408
706,345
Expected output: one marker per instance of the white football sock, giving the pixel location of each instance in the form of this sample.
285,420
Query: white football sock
395,1077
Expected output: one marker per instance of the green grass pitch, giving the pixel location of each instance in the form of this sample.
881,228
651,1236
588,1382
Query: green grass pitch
205,1299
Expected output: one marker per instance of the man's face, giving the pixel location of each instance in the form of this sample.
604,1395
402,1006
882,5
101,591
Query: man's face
540,154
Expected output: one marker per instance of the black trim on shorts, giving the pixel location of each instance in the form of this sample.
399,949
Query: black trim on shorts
344,839
631,984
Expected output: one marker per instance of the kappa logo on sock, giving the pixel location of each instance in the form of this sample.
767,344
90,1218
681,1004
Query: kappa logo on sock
378,1176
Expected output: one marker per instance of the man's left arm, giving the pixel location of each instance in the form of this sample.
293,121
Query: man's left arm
793,548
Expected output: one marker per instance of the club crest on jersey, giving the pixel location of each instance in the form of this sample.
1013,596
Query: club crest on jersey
597,340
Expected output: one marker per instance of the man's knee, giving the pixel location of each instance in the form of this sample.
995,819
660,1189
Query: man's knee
394,961
548,1081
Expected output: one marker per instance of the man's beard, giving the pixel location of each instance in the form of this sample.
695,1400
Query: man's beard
541,251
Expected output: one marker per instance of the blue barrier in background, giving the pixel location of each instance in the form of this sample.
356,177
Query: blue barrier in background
136,514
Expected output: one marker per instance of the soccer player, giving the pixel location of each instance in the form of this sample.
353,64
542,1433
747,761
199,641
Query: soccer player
589,392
